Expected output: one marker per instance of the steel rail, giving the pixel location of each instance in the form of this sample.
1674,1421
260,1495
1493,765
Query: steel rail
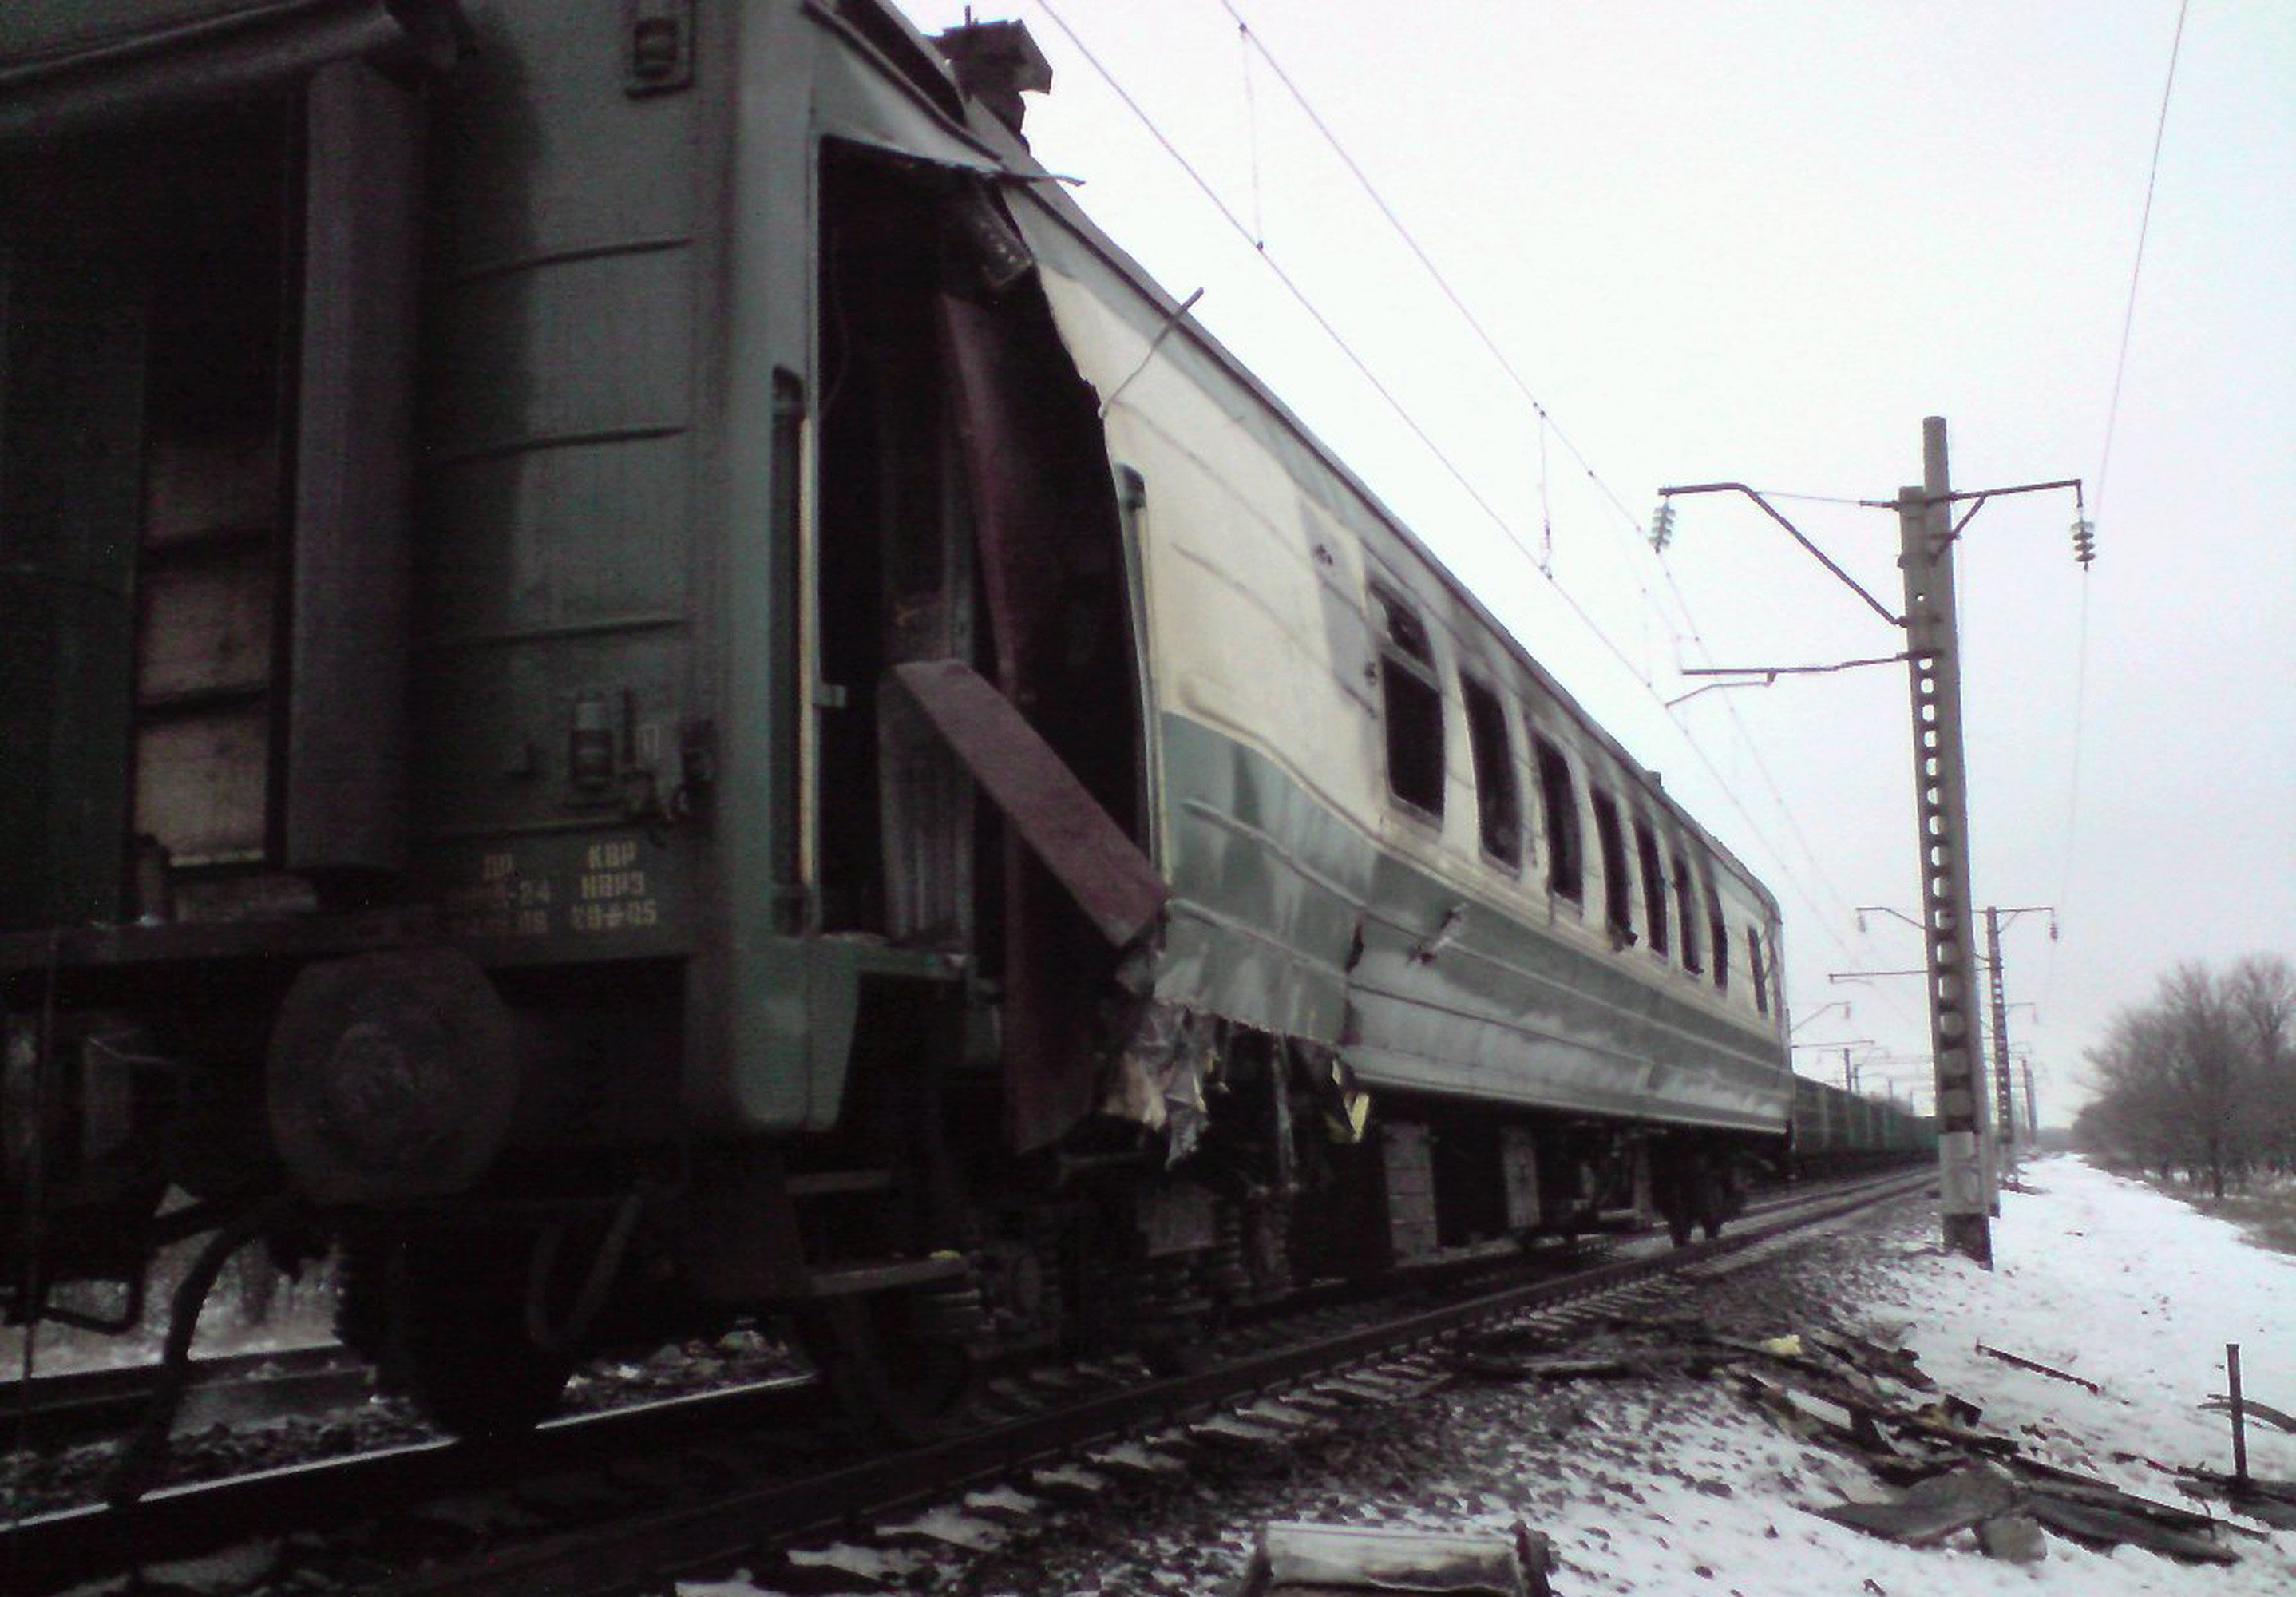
73,1546
61,1550
55,1411
727,1531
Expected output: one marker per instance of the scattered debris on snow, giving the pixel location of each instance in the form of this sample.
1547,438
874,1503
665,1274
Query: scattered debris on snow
1295,1560
2038,1368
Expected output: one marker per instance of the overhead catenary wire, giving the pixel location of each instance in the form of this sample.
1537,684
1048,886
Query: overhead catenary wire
1638,672
2071,829
1244,43
2137,266
1547,423
1339,340
1442,283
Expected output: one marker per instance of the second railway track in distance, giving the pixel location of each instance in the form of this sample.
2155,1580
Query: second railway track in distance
705,1484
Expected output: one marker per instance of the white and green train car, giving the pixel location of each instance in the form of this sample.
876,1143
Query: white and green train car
658,686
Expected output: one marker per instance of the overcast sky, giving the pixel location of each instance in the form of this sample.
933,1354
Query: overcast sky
1761,242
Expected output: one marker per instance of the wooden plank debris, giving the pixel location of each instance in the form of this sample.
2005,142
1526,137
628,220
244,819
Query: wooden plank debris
1957,1478
2273,1502
2279,1419
2019,1360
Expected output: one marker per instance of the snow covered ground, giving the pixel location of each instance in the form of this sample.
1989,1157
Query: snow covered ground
1683,1485
2095,1275
2110,1281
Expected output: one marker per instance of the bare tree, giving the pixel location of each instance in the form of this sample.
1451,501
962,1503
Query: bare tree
2198,1080
2261,992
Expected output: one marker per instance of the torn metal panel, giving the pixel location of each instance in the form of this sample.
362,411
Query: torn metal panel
1156,1076
854,101
1937,1507
1051,568
2096,1525
1112,882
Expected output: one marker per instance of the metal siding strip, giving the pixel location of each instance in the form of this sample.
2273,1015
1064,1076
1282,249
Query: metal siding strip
1112,882
346,716
1530,1002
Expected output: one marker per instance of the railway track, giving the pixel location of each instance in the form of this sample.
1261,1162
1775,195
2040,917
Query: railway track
52,1412
698,1483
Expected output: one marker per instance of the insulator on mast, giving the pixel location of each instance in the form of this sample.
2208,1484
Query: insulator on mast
2085,542
1661,527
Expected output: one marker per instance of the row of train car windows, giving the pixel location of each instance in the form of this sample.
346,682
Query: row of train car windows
1412,710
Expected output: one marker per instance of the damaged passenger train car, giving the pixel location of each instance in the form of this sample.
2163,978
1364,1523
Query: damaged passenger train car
646,682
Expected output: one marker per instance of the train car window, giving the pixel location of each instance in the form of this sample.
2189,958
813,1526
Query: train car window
1717,937
1754,972
1618,902
1685,903
1566,870
1411,703
1646,855
1498,800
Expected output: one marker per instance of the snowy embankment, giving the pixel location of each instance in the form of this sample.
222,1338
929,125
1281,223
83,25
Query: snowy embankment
2097,1276
2108,1280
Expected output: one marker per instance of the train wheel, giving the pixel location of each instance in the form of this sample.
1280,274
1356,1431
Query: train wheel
1714,1203
893,1381
469,1363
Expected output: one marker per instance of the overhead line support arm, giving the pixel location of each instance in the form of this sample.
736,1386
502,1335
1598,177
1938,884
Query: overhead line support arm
1820,555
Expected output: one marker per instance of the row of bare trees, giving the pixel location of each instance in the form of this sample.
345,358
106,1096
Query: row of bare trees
2200,1080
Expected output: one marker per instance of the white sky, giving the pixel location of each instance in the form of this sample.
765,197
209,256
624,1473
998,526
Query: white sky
1760,242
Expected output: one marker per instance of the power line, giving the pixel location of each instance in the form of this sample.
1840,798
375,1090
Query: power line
1547,423
2104,462
1411,242
1340,340
1457,474
2137,267
1457,302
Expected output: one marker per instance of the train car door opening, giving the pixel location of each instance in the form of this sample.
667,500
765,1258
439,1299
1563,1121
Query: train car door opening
967,513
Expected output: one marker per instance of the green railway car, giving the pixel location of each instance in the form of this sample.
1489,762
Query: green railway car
1838,1131
648,682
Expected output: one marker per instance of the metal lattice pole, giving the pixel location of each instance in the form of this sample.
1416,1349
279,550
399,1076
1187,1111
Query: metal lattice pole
2005,1083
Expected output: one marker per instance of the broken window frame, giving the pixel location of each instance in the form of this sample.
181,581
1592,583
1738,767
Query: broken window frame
1652,866
1617,887
1411,707
1718,937
1686,899
1558,797
1498,791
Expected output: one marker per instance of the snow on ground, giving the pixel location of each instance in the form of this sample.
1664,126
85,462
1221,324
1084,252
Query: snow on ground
2094,1274
1679,1485
61,1350
2108,1280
